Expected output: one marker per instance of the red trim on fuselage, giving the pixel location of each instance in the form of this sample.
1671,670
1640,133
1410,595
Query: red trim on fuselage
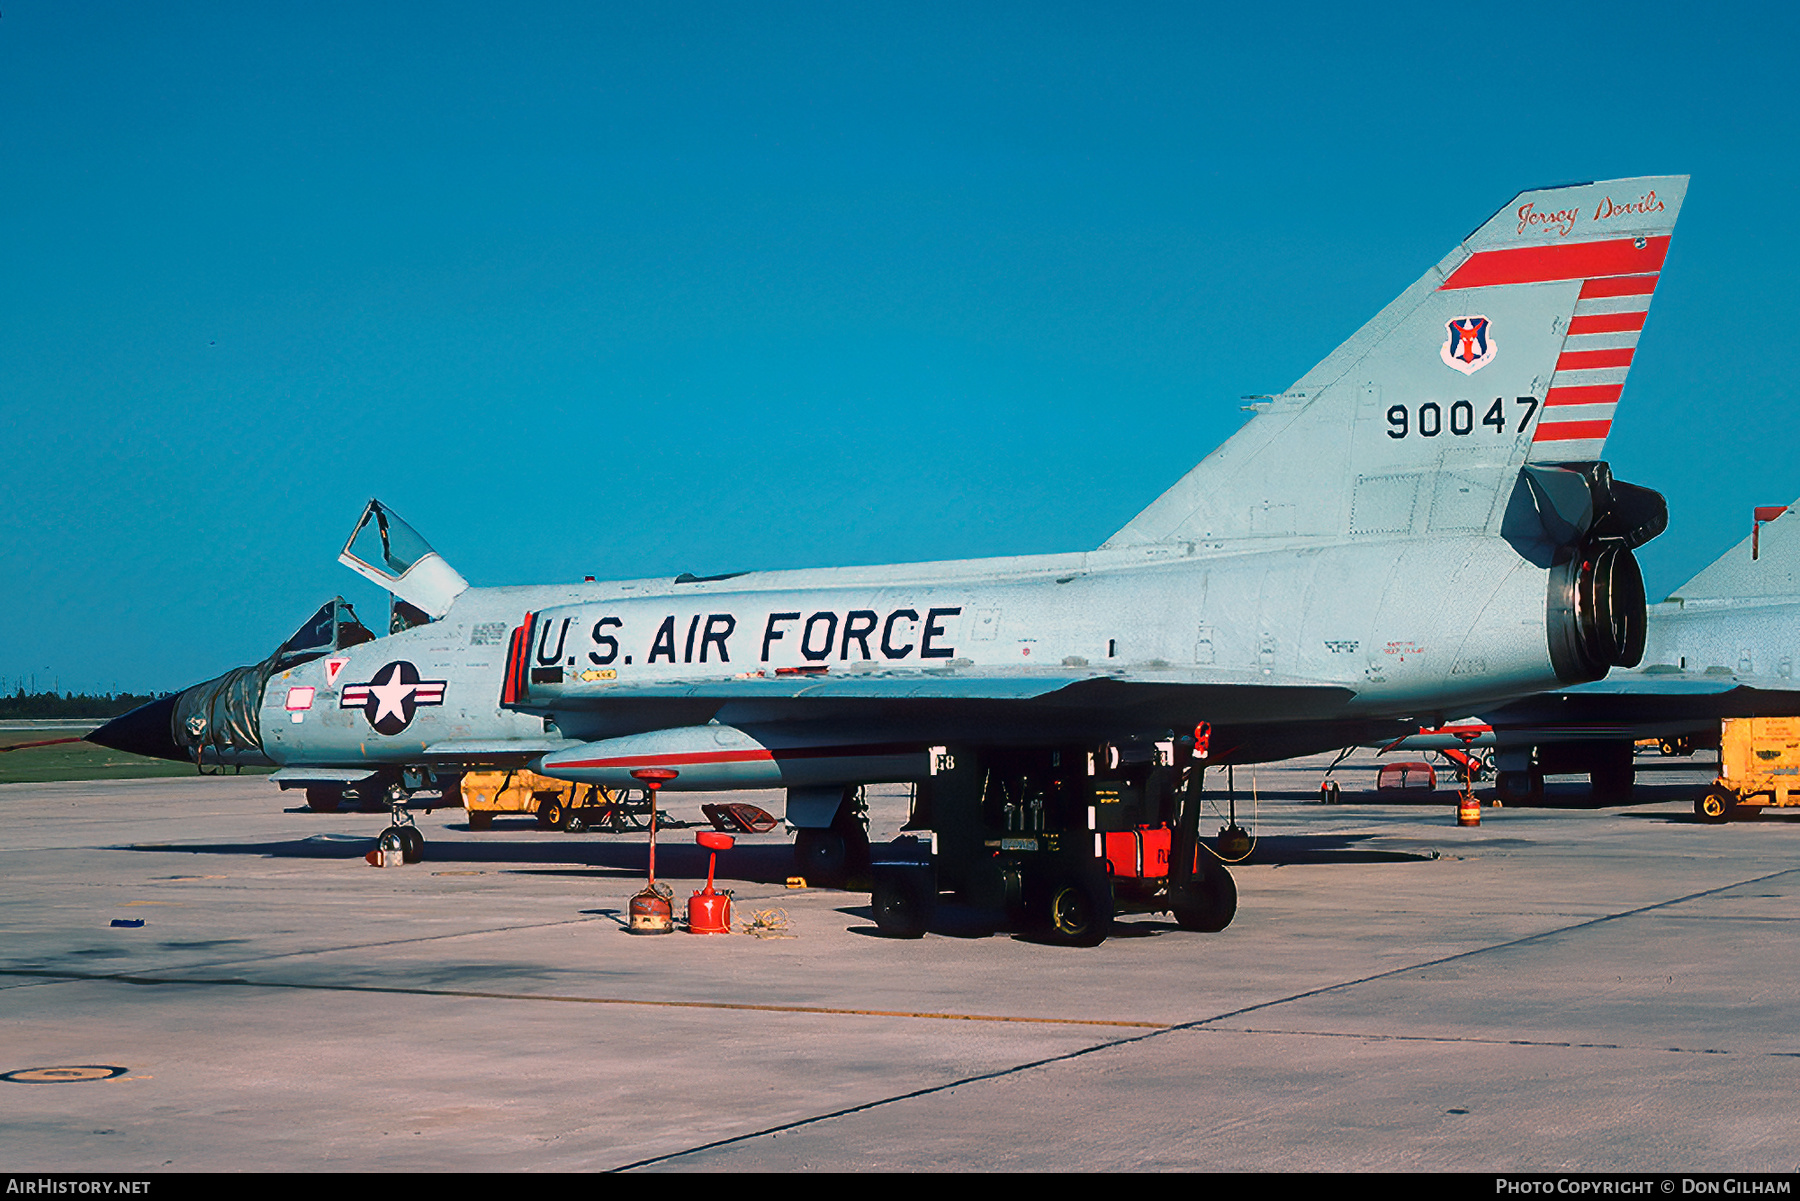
512,683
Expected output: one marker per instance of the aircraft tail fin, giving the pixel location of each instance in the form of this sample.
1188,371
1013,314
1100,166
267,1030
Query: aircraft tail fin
1512,350
1764,565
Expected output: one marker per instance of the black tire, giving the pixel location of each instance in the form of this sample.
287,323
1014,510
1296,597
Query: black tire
1330,793
995,887
412,844
1516,786
551,814
1714,807
323,798
575,823
1075,910
1610,778
821,857
481,819
904,899
1210,902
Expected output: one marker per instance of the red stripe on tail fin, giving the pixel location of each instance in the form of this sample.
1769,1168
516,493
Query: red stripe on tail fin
1618,285
1591,360
1606,323
1543,264
1591,394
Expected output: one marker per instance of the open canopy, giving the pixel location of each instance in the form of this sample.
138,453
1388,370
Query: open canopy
386,550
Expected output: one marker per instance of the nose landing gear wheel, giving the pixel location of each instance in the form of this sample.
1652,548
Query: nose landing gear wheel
412,843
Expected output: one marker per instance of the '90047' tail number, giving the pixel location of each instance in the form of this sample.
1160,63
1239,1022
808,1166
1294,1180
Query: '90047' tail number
1430,419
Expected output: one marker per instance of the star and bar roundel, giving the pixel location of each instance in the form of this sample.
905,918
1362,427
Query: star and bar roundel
392,696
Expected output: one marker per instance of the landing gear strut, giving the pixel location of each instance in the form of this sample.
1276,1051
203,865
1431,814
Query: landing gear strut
830,856
400,824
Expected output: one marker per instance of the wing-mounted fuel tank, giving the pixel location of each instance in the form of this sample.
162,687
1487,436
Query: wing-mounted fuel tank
1581,523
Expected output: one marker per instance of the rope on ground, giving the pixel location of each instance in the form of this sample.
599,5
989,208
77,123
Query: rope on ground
768,923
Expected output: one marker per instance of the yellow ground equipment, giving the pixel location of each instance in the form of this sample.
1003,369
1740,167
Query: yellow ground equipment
558,804
1759,764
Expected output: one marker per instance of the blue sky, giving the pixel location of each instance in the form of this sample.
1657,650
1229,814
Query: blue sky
635,289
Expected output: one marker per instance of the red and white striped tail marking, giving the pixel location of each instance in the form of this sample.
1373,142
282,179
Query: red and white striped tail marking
1618,278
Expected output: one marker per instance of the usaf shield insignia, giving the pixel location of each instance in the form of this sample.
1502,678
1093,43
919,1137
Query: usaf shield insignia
1469,348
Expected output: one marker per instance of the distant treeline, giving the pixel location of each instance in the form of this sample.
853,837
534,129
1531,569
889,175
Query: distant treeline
22,704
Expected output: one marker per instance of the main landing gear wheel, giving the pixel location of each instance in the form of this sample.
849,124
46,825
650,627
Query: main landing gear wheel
1518,786
322,798
1210,902
1713,807
1610,779
820,856
904,901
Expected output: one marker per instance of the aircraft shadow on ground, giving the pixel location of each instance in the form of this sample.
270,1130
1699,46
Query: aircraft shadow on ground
1556,795
1292,849
1767,815
1578,795
956,920
577,854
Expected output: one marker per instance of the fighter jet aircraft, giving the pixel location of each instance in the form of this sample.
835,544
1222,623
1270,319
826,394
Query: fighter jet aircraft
1721,645
1419,527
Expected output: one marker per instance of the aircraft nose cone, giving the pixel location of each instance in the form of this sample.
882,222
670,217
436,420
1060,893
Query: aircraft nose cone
146,730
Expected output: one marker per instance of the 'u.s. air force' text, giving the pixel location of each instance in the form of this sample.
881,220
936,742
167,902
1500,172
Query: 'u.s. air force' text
895,636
